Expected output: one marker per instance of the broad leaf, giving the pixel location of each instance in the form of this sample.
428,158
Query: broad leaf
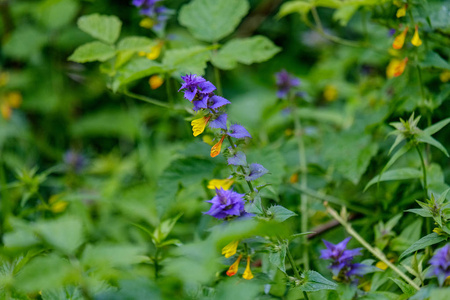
280,213
434,60
315,282
212,20
185,61
428,240
65,233
397,174
94,51
246,51
278,258
105,28
135,43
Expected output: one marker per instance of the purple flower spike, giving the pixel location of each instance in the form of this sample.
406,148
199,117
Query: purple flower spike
226,204
440,264
238,132
285,82
200,104
238,159
217,101
256,171
190,85
219,122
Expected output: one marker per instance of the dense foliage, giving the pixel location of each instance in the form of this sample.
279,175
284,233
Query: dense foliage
224,149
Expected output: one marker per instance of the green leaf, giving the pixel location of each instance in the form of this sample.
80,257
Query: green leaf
397,174
212,20
425,138
407,290
428,240
105,28
291,7
280,213
344,14
436,127
65,233
136,43
94,51
189,60
434,60
421,212
24,43
246,51
315,282
278,258
55,14
135,69
439,294
111,255
164,229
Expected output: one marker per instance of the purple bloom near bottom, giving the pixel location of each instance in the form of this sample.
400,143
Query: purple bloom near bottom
440,264
226,204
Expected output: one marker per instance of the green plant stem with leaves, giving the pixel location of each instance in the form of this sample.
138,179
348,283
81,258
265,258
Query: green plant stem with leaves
294,268
376,252
424,170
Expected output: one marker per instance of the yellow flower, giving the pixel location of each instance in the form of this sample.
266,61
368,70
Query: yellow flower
330,93
416,41
381,265
147,23
198,125
56,204
155,51
230,249
215,150
4,78
220,183
293,178
401,12
232,270
8,102
155,81
445,76
400,39
247,273
396,67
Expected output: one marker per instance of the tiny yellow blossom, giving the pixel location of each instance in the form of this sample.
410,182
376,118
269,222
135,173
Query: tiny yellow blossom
330,93
155,51
4,78
234,267
396,67
381,265
401,12
147,23
230,249
220,183
416,41
399,40
198,125
445,76
8,102
215,150
155,81
293,178
208,139
247,273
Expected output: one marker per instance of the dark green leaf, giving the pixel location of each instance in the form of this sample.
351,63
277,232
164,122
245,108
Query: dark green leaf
428,240
280,213
315,282
397,174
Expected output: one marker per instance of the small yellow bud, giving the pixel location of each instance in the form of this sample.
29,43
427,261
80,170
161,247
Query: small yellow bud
155,81
230,249
416,41
247,273
399,40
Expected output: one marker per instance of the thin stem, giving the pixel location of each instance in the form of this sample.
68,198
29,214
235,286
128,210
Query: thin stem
218,83
424,170
304,181
156,264
376,252
250,186
294,267
146,99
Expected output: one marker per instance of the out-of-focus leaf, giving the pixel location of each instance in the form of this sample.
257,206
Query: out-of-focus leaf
164,229
137,288
212,20
135,43
428,240
397,174
291,7
344,14
112,255
314,282
94,51
186,61
434,60
278,258
280,213
436,127
135,69
246,51
66,293
105,28
425,138
24,43
407,290
236,289
55,14
65,233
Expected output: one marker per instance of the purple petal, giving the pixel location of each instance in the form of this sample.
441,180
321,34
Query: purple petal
256,171
206,87
238,132
217,101
219,122
190,95
237,159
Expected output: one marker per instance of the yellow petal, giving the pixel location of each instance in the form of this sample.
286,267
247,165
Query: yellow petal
208,140
293,178
154,52
247,273
220,183
59,206
416,41
381,265
445,76
215,150
230,249
14,99
396,67
232,270
198,125
6,110
147,23
330,93
400,39
4,78
155,81
401,12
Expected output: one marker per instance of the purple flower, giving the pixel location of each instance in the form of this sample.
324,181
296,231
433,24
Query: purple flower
219,122
237,159
226,204
200,104
74,160
391,32
256,171
139,3
217,101
194,84
341,265
440,264
238,132
285,82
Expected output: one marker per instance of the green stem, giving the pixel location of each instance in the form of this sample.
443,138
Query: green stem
146,99
424,170
303,183
294,267
375,251
250,186
218,83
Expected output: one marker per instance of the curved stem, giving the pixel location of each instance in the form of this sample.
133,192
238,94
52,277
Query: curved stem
146,99
376,252
424,170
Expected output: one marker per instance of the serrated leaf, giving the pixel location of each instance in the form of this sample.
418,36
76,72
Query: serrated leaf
186,61
428,240
94,51
246,51
397,174
105,28
315,282
212,20
280,213
278,258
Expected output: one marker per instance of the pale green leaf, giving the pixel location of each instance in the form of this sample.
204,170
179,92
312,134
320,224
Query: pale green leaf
135,69
345,13
94,51
397,174
212,20
425,138
136,43
189,60
291,7
65,233
428,240
105,28
278,258
436,127
280,213
434,60
246,51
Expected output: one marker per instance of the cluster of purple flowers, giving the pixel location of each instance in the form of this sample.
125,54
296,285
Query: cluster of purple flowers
285,82
74,161
200,93
342,267
440,264
159,14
